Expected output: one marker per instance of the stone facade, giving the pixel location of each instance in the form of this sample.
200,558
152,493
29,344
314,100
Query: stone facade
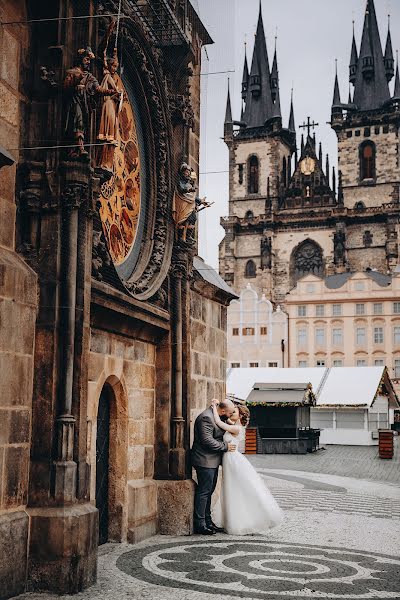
18,304
97,366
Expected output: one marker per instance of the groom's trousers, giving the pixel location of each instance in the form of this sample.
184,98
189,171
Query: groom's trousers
207,481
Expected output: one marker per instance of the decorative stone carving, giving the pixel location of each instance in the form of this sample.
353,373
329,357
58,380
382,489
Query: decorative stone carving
187,204
339,242
308,258
181,110
266,253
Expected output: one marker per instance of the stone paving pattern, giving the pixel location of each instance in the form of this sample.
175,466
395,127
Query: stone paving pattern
340,540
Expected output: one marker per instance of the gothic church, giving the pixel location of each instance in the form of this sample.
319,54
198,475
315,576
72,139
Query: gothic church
289,213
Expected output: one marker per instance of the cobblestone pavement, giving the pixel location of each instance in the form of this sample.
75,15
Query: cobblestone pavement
340,540
361,462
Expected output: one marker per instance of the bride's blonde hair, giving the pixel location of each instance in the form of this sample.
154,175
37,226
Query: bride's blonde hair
244,414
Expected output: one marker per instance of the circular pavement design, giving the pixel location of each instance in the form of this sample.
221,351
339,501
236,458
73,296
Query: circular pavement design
255,567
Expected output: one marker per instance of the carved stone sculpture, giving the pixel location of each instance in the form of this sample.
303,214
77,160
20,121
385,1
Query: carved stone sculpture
186,203
81,89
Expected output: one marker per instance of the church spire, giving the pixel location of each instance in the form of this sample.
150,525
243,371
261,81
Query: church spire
245,79
389,58
337,103
292,124
276,113
371,85
396,95
228,125
259,106
353,59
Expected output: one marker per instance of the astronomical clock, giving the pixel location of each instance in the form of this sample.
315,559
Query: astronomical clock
121,211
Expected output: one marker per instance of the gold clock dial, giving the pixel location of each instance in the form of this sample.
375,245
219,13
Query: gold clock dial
307,165
120,196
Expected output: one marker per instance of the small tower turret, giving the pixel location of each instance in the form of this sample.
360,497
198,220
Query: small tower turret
245,79
353,60
292,123
228,124
389,58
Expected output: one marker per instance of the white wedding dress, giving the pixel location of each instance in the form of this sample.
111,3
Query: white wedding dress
245,505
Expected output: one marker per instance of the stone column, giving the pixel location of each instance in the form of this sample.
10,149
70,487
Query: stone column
64,531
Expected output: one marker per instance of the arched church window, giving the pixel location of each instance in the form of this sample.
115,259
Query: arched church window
253,175
306,259
367,160
359,206
250,271
249,214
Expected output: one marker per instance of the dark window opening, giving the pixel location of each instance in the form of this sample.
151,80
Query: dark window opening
251,269
241,170
367,158
253,175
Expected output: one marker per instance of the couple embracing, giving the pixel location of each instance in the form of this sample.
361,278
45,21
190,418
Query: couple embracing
245,505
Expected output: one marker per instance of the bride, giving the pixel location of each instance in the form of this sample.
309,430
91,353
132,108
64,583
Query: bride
245,505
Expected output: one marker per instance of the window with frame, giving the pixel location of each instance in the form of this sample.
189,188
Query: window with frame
396,308
248,331
397,368
378,335
337,310
303,364
377,421
320,337
253,365
396,336
302,337
361,336
251,270
302,310
359,286
273,365
338,362
263,330
320,363
235,331
253,175
337,337
322,419
320,310
378,308
367,160
360,308
350,419
379,362
361,362
235,365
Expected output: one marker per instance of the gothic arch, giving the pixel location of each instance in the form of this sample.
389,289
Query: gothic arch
250,270
253,170
367,160
306,259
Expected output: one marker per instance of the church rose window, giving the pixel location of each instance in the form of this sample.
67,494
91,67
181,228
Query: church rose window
250,271
367,160
307,259
253,175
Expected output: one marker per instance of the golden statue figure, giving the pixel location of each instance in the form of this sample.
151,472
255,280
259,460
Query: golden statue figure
186,203
111,107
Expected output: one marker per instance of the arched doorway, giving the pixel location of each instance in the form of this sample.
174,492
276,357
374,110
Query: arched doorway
102,461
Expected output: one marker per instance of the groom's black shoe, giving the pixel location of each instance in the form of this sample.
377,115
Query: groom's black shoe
215,528
204,531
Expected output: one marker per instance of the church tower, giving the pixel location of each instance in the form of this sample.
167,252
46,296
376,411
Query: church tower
260,158
367,129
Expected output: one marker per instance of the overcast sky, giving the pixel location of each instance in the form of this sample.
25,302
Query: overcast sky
311,34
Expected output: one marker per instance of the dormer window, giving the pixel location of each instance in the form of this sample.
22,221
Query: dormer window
253,175
367,160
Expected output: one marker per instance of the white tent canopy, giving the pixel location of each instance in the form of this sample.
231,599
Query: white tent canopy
337,386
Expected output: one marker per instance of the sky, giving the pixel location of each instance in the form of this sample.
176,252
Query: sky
311,34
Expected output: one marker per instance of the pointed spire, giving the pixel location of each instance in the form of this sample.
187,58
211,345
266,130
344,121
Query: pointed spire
349,100
302,145
353,59
274,75
259,106
327,171
389,58
228,125
396,95
245,79
334,180
292,124
320,153
371,84
337,103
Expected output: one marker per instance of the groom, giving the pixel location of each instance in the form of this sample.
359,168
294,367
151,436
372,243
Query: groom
207,450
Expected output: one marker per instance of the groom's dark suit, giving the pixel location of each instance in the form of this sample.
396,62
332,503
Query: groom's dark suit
208,447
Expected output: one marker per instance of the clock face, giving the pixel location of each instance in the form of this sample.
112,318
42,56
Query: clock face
121,195
307,165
